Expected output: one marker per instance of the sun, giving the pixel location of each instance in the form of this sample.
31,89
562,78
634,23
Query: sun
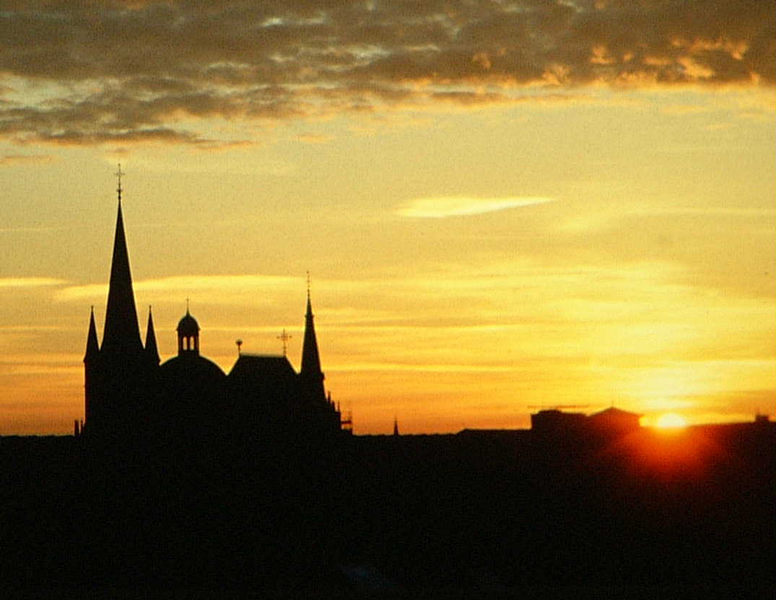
671,421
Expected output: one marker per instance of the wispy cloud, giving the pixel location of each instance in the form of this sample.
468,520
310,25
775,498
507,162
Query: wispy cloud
457,206
22,159
423,368
30,282
179,286
33,229
312,138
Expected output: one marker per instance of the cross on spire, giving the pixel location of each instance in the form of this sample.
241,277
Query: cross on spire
118,174
284,337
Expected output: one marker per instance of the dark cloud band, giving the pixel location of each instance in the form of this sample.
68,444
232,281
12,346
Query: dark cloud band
130,70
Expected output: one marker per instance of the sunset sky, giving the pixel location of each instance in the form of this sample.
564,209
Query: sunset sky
502,205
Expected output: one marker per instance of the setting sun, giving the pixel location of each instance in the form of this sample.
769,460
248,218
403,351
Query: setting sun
671,421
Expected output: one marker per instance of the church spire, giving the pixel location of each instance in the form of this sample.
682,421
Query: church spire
311,361
122,333
151,349
92,345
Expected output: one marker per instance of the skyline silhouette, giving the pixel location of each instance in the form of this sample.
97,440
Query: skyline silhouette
494,514
131,399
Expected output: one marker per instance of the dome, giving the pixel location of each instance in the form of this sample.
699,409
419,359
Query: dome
191,403
183,371
188,325
191,381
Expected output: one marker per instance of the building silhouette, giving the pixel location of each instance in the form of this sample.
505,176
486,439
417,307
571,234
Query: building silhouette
553,422
131,394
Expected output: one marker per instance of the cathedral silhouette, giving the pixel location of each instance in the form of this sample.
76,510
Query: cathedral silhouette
130,395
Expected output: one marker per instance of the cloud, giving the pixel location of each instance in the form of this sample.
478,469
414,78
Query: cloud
137,71
178,287
24,159
312,138
29,282
456,206
31,229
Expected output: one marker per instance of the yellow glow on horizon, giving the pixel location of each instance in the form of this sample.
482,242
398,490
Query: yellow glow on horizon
671,421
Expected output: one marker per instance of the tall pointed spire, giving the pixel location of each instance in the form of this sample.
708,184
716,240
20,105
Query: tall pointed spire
151,349
91,369
311,362
122,333
92,345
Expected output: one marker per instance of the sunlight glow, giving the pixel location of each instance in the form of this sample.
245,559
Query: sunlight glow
671,421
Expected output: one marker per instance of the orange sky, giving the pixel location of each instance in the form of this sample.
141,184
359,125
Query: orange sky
502,205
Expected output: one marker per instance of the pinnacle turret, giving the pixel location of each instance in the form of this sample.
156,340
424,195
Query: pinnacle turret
151,349
92,345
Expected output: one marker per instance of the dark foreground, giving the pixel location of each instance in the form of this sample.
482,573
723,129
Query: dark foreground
477,515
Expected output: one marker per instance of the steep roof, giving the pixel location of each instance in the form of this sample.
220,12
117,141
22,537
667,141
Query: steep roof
122,333
258,366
